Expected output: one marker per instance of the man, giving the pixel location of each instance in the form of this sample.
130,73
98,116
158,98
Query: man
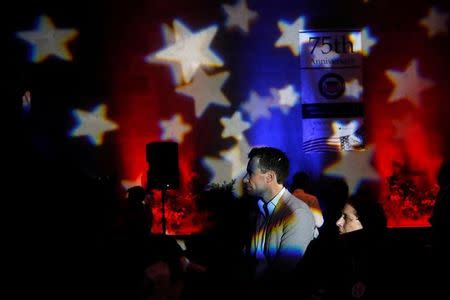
284,224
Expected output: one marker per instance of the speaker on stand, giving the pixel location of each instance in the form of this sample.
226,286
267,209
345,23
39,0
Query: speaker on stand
163,173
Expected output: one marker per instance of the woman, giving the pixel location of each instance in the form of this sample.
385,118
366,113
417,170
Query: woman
359,249
346,266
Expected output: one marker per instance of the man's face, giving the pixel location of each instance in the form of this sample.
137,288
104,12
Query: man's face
255,182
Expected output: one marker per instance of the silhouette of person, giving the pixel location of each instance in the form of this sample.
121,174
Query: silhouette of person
220,244
440,228
440,217
143,265
300,188
129,248
284,224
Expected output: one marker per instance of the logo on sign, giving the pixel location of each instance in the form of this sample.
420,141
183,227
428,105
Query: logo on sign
331,86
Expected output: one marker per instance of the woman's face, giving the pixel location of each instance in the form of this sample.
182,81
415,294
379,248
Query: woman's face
348,221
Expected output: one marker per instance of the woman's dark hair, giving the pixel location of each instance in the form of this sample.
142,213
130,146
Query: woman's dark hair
369,212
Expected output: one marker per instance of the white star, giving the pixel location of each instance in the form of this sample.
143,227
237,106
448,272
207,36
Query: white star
169,39
46,40
288,96
257,106
93,124
408,84
190,50
353,89
354,167
237,156
341,129
174,129
206,90
435,22
234,126
348,140
289,37
239,15
368,41
285,98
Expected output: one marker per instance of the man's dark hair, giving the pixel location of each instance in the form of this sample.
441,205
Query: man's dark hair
272,159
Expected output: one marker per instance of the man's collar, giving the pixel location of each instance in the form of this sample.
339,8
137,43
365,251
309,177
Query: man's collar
272,203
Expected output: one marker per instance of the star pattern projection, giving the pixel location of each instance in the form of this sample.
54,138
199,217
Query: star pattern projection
353,89
344,135
205,90
46,40
93,124
169,39
354,167
239,16
190,50
174,129
435,22
408,84
289,34
234,126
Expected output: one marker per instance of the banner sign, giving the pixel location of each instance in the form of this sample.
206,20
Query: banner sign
331,90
